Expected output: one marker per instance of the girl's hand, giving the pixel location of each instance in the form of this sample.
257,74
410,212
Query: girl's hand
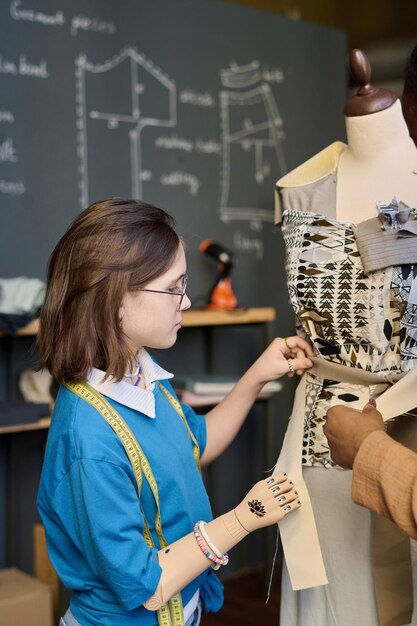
267,502
287,356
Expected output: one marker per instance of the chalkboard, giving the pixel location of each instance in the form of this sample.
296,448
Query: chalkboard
197,106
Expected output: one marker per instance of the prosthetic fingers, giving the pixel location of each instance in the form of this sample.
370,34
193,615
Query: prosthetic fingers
266,503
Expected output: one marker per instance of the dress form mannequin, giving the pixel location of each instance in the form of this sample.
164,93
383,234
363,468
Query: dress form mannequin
380,158
344,183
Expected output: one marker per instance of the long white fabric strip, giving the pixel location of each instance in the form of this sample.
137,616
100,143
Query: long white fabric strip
298,531
400,398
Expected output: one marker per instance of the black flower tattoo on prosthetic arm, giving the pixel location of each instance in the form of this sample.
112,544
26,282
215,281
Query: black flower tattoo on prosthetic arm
256,507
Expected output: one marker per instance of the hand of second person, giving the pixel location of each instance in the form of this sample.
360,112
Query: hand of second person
282,357
267,502
346,428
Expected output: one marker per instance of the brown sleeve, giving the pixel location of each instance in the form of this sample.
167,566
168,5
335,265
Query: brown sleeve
385,480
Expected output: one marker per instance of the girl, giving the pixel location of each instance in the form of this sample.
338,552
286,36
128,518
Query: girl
127,518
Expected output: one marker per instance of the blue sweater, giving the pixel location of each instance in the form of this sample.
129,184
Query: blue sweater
92,516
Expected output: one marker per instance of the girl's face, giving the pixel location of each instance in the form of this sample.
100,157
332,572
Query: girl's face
152,319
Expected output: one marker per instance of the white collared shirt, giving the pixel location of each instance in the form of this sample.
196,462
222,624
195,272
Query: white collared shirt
125,393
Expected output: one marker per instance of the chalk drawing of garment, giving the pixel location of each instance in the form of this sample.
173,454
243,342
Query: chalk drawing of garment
115,101
252,138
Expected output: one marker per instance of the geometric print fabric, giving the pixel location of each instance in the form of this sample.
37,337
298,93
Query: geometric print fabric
362,321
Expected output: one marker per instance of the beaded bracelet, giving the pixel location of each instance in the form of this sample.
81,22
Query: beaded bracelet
218,561
204,549
210,545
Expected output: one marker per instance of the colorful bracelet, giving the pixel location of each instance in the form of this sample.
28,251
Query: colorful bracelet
204,549
211,546
218,559
216,562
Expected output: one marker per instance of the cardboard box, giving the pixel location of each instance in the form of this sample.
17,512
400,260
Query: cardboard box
24,600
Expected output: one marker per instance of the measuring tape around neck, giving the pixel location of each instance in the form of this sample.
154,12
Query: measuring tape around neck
171,613
177,406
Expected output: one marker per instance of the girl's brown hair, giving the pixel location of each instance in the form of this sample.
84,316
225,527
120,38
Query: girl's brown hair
112,246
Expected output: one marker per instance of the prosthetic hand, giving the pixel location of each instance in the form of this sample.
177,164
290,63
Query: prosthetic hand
266,503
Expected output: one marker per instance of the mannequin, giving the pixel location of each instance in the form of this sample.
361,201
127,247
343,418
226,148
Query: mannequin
357,321
379,143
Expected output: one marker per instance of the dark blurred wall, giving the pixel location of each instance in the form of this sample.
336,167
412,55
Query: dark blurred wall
365,22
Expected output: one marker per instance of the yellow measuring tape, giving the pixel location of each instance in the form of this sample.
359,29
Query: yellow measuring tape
177,406
171,613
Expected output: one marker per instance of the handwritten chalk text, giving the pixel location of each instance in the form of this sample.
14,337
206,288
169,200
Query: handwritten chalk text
81,22
24,68
29,15
176,179
13,188
7,117
249,244
197,99
8,152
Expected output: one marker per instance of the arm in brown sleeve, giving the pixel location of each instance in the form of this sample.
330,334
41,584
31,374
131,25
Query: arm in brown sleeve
385,480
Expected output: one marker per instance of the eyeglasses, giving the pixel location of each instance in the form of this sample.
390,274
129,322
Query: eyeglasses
169,293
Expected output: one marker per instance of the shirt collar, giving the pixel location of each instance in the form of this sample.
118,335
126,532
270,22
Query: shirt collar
136,398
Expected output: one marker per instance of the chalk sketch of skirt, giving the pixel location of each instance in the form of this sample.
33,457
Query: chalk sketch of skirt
253,155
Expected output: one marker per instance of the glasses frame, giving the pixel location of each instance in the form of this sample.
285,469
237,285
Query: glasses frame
169,293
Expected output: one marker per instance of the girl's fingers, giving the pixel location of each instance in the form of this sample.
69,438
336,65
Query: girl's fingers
284,494
276,479
295,347
298,342
299,364
301,354
292,506
279,484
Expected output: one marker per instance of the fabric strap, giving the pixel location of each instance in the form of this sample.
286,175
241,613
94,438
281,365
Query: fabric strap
379,248
298,531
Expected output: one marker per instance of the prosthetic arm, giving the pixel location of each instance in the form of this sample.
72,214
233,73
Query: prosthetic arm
182,561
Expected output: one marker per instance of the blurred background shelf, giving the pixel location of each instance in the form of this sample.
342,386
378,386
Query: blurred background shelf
196,317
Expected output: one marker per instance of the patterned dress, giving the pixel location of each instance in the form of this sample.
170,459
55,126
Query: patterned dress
366,322
353,319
